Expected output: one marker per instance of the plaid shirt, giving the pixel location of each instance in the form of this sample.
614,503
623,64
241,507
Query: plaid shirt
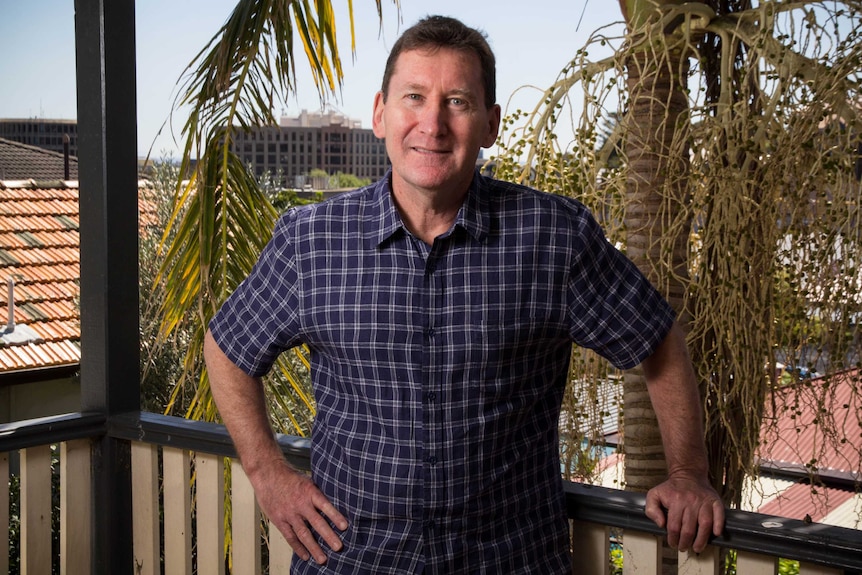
438,371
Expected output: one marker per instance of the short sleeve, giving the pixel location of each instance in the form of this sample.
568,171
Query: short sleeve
613,308
260,319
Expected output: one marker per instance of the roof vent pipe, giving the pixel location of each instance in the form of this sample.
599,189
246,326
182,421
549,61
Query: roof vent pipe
10,284
14,334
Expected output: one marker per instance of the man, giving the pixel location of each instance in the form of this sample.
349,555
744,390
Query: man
440,308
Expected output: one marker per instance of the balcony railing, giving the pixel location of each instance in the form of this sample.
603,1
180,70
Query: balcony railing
178,501
126,492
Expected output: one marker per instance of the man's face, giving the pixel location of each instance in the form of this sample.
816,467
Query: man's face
434,120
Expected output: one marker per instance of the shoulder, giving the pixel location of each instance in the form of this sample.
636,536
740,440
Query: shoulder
529,206
343,203
344,208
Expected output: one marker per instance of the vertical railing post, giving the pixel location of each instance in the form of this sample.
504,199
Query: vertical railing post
35,510
107,170
75,506
4,511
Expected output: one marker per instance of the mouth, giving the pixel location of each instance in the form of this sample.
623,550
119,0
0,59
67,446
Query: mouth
429,151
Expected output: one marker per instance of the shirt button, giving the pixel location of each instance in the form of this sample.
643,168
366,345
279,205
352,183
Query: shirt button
429,333
432,460
431,396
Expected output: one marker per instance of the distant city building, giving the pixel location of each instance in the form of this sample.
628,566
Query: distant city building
47,134
325,140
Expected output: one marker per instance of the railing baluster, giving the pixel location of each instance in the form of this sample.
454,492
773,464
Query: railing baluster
591,548
810,569
36,510
245,524
280,553
756,564
177,505
145,508
593,511
705,563
75,506
4,511
209,506
641,553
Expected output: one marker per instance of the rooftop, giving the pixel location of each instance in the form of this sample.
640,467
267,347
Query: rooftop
793,436
22,162
40,267
810,457
39,263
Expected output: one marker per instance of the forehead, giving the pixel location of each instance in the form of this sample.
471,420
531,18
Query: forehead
435,64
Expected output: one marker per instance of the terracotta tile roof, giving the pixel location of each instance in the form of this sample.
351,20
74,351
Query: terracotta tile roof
22,162
792,439
40,251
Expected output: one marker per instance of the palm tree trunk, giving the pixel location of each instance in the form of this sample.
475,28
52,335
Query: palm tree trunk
655,240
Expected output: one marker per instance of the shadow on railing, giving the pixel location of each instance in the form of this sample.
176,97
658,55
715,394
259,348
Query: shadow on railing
180,501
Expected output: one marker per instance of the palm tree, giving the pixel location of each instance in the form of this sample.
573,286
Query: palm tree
222,218
738,139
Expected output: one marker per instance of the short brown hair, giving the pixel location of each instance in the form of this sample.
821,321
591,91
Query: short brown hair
445,32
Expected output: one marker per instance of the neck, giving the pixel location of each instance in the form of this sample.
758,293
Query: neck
427,215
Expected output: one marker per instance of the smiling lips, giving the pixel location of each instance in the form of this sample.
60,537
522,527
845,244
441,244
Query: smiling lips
430,151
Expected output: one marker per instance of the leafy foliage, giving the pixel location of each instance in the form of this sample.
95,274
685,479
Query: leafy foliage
161,358
347,181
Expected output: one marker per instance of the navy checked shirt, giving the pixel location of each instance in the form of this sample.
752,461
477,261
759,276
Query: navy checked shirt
438,371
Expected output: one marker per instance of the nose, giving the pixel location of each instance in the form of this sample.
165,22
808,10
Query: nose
433,119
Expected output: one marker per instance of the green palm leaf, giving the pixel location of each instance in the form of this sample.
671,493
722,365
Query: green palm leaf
222,219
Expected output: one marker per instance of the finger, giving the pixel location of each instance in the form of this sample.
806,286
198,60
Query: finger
711,522
653,509
309,542
704,530
688,529
328,509
718,518
322,527
294,542
674,527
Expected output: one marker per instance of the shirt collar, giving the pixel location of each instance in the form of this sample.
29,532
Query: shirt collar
382,220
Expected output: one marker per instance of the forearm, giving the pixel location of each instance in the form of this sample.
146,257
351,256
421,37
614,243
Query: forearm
242,405
672,387
289,498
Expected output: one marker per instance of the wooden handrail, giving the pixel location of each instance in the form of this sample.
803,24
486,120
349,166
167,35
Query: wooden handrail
745,531
835,548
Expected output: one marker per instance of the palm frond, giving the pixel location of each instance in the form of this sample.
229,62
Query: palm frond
222,219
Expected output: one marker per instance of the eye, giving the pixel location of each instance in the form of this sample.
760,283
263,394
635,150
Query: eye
460,103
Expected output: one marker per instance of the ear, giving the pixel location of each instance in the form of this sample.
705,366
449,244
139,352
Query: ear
494,115
377,124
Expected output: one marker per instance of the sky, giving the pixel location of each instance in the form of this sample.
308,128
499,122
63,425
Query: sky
533,41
